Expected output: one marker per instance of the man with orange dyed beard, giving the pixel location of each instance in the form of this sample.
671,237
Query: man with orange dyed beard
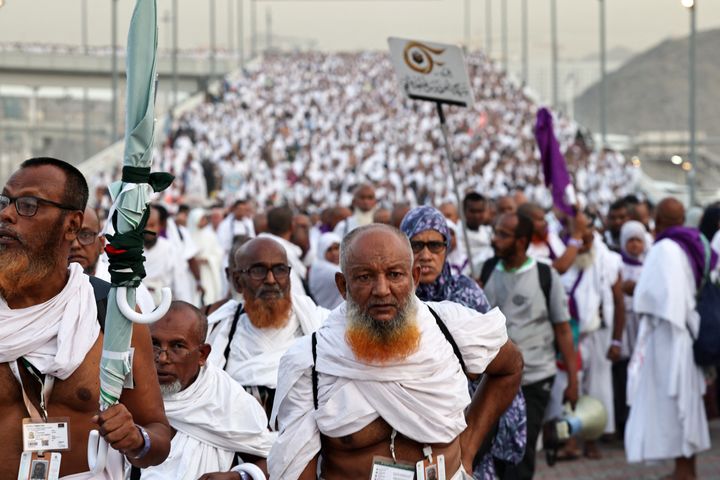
380,390
249,338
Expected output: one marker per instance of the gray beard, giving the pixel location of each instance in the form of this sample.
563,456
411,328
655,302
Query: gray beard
169,389
382,331
585,260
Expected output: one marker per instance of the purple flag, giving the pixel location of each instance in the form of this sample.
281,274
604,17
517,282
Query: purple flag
553,162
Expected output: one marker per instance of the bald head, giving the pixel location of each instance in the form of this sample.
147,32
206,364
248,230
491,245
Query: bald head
378,234
669,213
250,253
184,317
91,220
364,197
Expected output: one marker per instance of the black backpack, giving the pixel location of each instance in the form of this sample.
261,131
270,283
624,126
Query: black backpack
706,347
544,275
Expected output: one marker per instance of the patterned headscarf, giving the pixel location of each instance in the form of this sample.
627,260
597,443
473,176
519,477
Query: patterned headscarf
460,289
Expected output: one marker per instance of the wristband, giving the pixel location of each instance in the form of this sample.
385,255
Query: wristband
616,343
146,443
574,242
249,471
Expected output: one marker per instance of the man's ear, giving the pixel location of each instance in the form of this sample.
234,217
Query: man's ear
341,284
73,224
204,350
416,274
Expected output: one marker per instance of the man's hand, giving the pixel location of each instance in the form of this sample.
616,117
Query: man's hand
221,476
116,425
614,353
571,393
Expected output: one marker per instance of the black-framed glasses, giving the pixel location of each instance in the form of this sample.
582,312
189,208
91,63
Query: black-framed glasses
259,272
87,237
174,353
27,205
434,246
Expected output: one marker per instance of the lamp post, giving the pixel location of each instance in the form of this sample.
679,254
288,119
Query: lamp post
525,69
488,27
467,25
175,51
504,34
114,112
553,30
691,6
212,40
241,32
603,79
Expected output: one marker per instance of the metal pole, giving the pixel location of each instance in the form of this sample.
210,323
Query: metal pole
253,29
175,51
553,29
84,27
231,25
525,70
114,109
467,25
268,29
603,78
504,27
693,152
241,31
451,166
488,27
212,40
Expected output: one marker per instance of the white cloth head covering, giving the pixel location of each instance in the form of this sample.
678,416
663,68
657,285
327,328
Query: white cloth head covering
322,274
633,229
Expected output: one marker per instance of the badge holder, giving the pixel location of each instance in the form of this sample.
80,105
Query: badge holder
428,469
389,468
43,436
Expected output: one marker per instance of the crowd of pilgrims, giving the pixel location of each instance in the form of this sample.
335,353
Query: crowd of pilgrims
302,150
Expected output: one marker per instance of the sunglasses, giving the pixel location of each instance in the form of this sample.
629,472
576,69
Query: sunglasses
434,247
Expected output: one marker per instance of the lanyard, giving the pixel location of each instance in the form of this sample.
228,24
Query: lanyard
46,387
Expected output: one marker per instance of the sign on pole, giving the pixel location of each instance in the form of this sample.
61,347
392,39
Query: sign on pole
431,71
435,72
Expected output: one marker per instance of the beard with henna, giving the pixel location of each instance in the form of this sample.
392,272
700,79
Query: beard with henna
268,312
22,267
381,342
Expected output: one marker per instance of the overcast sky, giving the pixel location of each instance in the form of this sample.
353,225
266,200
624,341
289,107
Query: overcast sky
352,25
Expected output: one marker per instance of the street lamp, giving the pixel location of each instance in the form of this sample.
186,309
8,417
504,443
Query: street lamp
692,161
603,79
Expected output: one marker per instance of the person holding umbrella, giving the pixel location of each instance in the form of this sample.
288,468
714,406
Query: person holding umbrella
51,339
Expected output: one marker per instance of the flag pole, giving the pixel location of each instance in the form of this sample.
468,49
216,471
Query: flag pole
451,166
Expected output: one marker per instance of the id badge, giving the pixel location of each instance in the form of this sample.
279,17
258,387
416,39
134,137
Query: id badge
52,435
34,466
427,470
387,469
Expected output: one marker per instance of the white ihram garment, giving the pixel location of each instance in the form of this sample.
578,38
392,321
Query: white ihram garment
423,397
214,418
55,335
665,387
255,352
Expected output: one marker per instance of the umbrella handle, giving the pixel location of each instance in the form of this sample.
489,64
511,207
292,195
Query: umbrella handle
97,452
251,469
149,317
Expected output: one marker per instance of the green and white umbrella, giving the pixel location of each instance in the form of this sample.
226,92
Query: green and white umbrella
128,216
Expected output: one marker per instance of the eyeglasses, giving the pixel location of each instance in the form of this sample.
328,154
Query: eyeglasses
434,247
87,237
259,272
27,206
174,353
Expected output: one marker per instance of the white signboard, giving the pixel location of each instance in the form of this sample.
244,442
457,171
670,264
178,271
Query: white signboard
431,71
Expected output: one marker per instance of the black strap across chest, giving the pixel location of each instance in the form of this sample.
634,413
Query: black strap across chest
438,320
233,327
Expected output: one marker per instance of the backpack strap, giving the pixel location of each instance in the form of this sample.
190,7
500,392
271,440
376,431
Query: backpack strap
314,371
545,277
134,473
487,270
448,336
239,311
101,290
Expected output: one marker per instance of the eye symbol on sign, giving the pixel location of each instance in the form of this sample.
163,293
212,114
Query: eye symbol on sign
419,57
